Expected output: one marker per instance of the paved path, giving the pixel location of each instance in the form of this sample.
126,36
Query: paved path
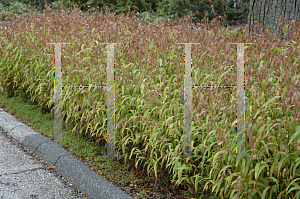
23,176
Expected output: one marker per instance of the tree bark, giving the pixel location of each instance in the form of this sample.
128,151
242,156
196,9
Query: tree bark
267,13
42,4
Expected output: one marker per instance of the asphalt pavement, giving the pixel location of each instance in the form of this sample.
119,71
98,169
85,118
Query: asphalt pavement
58,173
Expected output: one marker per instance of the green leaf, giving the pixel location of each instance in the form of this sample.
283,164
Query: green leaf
90,2
296,186
274,186
269,101
264,85
295,134
142,88
258,111
181,169
259,169
203,54
281,163
283,93
261,129
295,166
286,29
160,62
265,192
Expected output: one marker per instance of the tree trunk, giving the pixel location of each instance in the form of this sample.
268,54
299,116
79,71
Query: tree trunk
42,4
268,12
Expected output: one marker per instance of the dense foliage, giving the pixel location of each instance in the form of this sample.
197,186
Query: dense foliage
150,97
233,9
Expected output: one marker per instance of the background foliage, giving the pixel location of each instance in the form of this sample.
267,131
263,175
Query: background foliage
234,10
150,98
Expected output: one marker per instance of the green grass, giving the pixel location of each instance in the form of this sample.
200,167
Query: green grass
30,114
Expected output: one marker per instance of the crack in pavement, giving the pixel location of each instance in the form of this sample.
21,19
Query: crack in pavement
25,171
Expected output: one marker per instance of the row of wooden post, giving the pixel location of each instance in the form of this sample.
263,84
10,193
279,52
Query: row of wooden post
110,143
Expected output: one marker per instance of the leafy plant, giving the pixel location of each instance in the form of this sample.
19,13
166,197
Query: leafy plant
150,97
14,7
211,8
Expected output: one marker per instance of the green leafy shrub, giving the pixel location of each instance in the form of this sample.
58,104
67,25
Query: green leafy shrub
14,7
115,5
211,8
